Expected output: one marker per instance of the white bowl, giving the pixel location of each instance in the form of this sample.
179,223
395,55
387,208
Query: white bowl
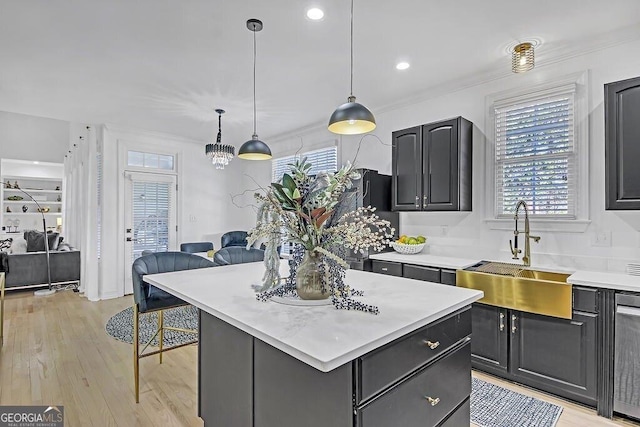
403,248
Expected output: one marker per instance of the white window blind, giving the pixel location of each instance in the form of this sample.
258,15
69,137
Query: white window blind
325,159
536,155
151,207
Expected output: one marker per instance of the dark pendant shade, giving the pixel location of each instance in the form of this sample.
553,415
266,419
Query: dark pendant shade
254,149
352,118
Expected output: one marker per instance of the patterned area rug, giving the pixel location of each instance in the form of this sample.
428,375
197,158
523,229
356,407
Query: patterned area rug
495,406
120,326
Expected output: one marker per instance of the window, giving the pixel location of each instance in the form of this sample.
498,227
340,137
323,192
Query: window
536,154
149,160
325,159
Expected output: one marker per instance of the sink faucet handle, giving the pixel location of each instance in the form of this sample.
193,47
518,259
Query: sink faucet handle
535,238
514,251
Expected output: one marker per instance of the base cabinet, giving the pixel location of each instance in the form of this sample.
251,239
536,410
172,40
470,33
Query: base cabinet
556,355
422,379
551,354
489,347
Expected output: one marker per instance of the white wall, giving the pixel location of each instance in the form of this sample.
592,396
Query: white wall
205,210
467,234
25,137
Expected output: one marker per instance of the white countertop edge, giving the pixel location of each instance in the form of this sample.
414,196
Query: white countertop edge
321,365
606,280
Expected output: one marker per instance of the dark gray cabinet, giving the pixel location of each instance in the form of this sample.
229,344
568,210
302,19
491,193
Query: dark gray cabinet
406,189
622,147
422,379
551,354
489,347
431,166
386,267
556,355
418,272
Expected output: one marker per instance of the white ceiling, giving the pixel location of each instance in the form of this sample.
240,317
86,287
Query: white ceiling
165,65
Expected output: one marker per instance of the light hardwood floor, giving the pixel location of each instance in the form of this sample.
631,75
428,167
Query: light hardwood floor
56,351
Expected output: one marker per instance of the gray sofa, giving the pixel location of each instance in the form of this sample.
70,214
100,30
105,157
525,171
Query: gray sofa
30,268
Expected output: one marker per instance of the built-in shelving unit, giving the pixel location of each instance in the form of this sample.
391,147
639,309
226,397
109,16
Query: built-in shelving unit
19,215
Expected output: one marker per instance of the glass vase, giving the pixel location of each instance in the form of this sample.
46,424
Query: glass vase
310,279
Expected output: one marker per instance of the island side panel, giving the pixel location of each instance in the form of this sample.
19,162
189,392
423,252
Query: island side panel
290,393
225,374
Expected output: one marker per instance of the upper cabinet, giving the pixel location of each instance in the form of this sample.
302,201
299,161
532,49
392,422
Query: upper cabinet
431,167
622,147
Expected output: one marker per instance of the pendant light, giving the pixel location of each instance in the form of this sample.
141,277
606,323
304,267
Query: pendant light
352,118
219,153
254,149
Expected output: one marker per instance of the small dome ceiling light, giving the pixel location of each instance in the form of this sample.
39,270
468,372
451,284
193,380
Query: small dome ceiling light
315,14
522,58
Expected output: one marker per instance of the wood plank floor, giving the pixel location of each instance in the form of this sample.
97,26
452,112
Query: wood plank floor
56,351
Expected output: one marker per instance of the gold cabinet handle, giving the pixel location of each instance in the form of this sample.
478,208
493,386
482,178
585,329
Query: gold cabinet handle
501,322
432,401
432,345
513,324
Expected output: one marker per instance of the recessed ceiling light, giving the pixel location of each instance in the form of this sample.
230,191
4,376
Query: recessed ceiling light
402,65
315,14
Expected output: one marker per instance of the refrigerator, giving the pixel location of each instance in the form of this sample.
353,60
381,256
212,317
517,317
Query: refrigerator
373,189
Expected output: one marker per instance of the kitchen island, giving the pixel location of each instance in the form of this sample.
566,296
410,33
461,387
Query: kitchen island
267,364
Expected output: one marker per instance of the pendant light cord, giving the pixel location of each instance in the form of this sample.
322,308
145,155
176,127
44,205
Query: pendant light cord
219,138
254,81
351,90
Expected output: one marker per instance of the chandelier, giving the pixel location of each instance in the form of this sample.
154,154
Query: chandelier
219,153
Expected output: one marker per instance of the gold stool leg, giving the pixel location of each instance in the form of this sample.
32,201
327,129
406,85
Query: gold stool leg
161,329
136,356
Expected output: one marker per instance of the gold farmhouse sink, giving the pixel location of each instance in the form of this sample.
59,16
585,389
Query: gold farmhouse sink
519,288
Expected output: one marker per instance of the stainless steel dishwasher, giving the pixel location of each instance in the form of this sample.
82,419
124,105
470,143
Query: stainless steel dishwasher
627,356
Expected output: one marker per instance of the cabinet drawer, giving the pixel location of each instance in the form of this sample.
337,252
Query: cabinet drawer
447,383
460,417
585,299
428,274
386,267
383,367
448,277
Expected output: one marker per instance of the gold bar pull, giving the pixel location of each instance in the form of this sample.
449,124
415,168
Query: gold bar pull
501,322
514,328
432,345
432,401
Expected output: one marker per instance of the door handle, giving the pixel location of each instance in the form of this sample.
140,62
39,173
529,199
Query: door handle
514,328
501,322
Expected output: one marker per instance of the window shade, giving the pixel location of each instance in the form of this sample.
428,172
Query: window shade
151,207
325,159
535,156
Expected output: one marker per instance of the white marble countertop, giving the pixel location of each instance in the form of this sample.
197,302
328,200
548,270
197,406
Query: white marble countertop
426,260
321,336
597,279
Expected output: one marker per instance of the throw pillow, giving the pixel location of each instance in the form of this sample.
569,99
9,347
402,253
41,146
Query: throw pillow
5,244
35,241
19,246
